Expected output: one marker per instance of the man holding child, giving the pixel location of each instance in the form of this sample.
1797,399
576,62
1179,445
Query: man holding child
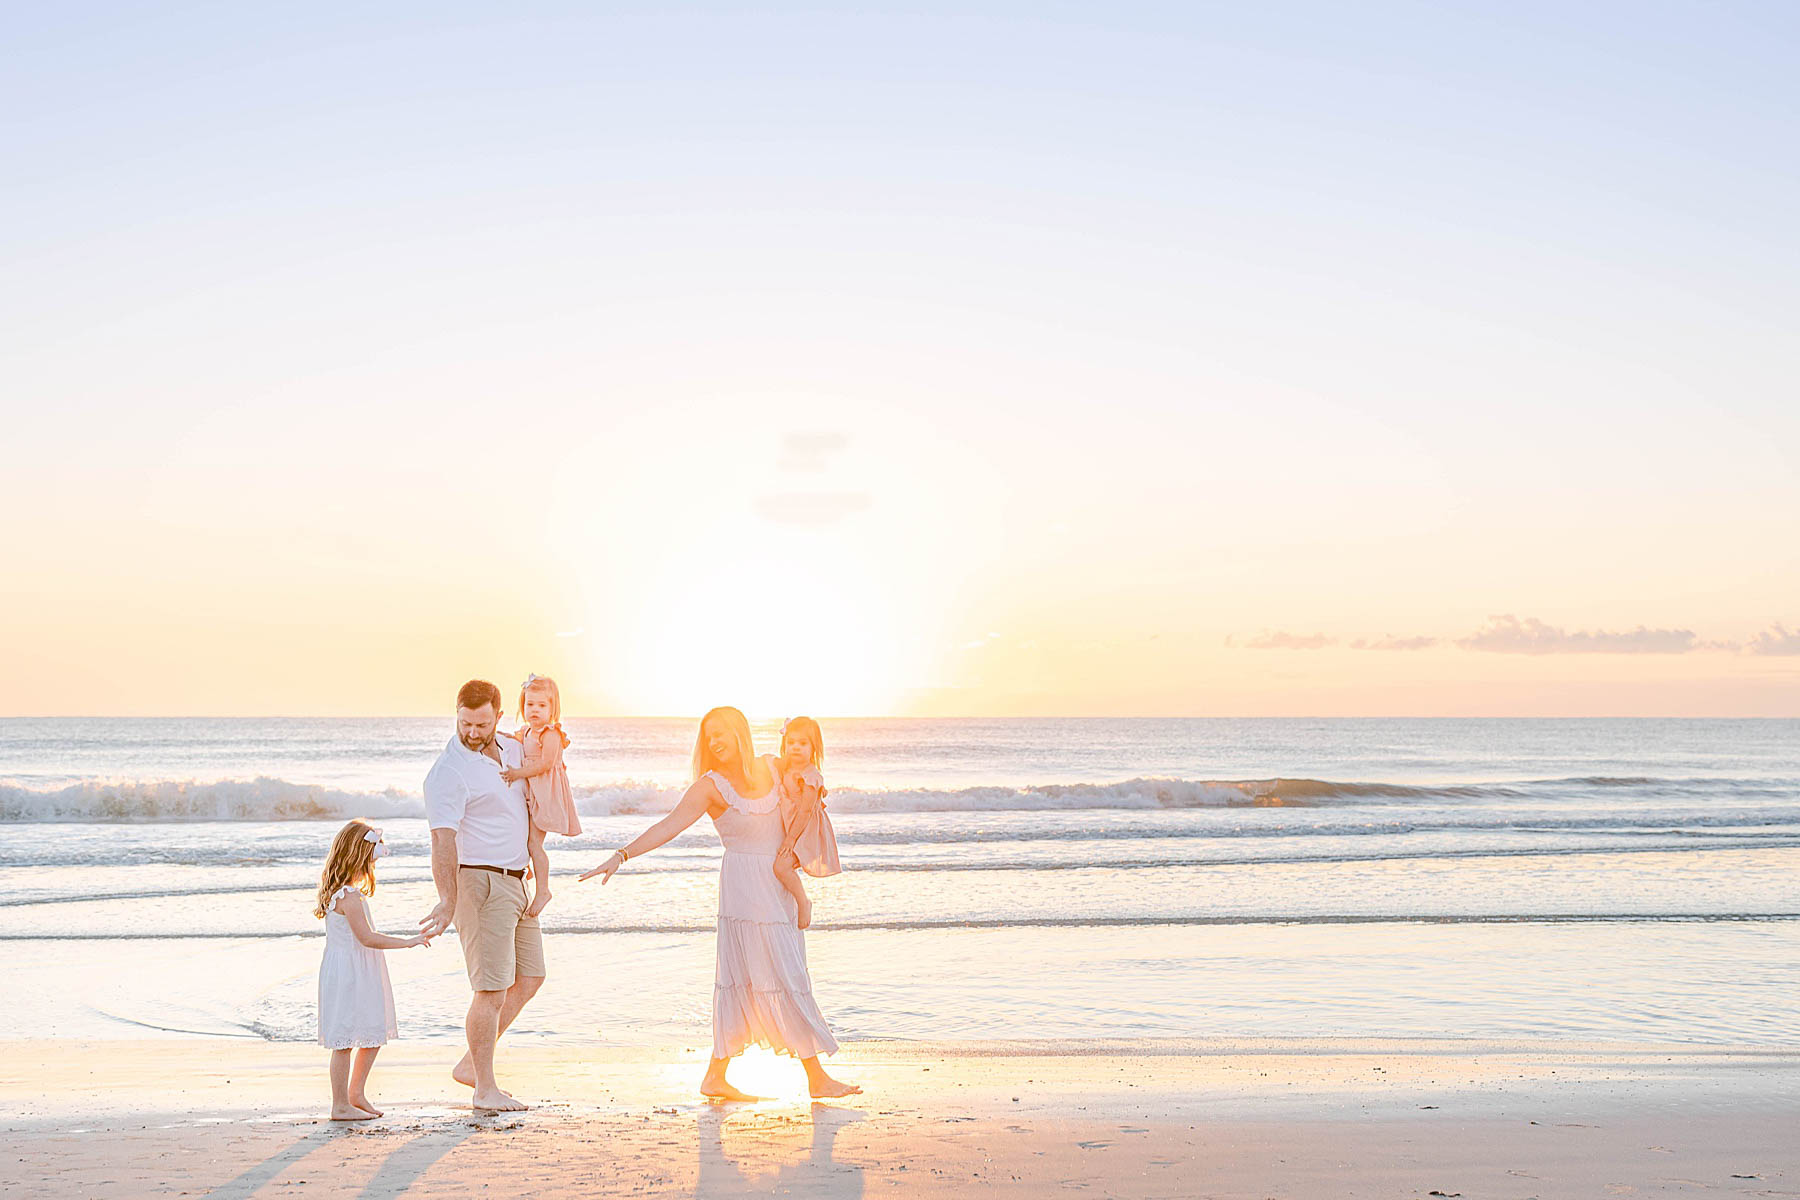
478,857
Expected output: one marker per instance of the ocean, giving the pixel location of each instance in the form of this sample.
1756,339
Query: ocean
1594,880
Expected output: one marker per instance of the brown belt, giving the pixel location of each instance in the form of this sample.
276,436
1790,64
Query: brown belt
518,874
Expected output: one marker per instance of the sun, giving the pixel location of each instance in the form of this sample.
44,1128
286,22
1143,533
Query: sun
822,642
762,1072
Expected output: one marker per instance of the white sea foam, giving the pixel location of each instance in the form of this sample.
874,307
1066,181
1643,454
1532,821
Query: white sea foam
261,799
268,799
271,799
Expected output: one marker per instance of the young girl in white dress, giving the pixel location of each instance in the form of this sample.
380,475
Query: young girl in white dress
806,830
356,1001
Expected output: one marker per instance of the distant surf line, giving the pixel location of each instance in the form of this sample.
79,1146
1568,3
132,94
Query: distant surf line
878,868
1033,923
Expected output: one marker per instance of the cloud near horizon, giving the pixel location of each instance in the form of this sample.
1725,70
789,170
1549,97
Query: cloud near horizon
1390,642
810,451
1508,634
1281,640
1777,639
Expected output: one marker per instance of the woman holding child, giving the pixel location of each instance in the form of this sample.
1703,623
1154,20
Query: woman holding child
762,992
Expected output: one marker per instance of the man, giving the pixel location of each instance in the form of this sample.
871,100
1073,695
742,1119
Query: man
478,858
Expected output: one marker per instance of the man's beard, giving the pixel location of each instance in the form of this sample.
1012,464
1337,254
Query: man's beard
478,747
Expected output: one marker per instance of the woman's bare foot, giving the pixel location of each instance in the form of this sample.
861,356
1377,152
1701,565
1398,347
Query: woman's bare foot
718,1089
349,1112
824,1087
806,914
495,1100
362,1102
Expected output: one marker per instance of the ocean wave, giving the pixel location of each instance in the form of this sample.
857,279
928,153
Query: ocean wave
271,799
260,799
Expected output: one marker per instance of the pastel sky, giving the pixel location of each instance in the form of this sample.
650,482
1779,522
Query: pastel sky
992,358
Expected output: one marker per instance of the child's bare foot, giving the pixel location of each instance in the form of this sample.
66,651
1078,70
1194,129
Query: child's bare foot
823,1086
805,914
349,1112
538,903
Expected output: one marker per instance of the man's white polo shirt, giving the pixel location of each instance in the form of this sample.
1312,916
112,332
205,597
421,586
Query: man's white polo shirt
464,792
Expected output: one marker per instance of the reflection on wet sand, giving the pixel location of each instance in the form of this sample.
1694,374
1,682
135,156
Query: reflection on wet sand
802,1144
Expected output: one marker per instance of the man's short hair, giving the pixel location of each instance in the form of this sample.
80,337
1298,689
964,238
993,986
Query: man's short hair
478,692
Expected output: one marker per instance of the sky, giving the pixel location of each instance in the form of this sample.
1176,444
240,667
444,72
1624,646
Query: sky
936,359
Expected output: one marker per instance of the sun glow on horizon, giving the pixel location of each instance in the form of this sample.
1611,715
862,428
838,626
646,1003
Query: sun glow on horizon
823,638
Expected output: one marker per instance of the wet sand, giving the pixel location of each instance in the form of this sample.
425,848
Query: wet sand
241,1118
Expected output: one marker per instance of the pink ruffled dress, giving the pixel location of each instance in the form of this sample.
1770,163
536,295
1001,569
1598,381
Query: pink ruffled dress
816,847
762,992
547,796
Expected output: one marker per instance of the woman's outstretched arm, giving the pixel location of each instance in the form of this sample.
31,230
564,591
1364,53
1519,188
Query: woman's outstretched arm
694,804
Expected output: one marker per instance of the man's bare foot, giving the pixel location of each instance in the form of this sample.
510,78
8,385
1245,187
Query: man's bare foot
825,1087
464,1073
362,1102
349,1112
806,914
495,1100
718,1089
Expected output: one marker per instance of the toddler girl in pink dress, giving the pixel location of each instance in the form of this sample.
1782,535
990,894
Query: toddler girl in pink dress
806,830
547,795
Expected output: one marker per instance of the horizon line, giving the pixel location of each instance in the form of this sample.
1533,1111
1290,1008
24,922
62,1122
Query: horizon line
416,716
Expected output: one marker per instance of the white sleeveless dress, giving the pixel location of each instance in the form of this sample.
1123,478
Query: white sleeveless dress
356,1001
762,993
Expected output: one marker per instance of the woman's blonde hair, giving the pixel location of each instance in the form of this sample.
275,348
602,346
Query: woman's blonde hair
351,861
807,728
738,725
543,683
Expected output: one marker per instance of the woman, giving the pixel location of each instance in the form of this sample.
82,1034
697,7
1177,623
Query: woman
761,990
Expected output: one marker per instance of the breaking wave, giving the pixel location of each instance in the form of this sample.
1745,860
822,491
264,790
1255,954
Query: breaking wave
270,799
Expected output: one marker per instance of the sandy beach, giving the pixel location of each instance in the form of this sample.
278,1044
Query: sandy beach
237,1118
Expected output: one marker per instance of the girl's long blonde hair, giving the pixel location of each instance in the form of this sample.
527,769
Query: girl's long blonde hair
739,727
352,860
807,728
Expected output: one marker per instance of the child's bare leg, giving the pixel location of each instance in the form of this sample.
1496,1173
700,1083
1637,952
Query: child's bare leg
359,1079
540,872
341,1108
789,875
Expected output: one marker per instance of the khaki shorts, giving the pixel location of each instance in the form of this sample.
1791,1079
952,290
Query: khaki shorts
499,942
